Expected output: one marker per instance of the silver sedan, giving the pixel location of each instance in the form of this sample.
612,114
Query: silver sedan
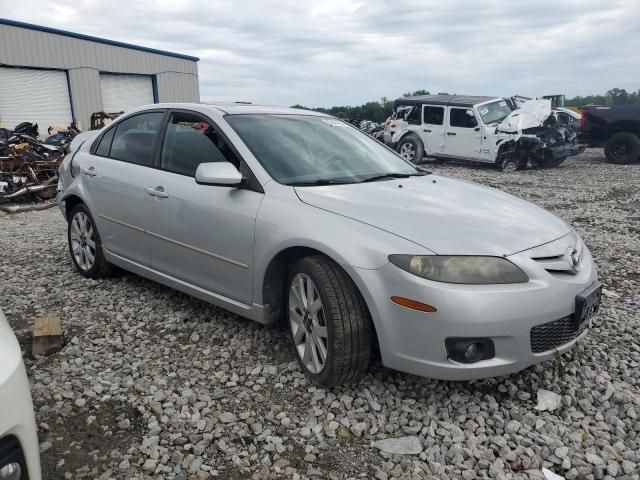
294,216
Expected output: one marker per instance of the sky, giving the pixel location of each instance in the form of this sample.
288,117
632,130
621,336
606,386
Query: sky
346,52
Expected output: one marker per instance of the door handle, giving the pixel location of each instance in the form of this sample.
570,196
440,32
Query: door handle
425,130
90,172
157,192
450,133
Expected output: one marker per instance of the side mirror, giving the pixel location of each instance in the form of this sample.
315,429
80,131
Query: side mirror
222,174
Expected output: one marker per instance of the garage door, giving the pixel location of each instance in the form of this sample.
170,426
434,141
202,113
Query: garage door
124,92
40,96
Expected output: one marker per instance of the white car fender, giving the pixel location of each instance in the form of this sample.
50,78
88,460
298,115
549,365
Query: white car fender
399,134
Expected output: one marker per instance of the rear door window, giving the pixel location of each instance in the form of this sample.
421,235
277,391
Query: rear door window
135,138
105,143
433,115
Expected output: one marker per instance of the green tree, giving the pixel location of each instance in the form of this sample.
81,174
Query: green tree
422,91
380,110
618,96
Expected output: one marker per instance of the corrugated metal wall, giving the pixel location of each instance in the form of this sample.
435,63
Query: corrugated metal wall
176,78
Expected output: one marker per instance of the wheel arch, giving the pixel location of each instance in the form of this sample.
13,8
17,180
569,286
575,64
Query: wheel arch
521,147
274,283
408,133
70,202
505,148
401,134
628,126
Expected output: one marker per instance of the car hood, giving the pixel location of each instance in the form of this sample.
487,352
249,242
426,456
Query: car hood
444,215
531,114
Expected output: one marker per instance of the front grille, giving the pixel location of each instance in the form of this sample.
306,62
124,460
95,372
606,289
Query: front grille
549,336
11,456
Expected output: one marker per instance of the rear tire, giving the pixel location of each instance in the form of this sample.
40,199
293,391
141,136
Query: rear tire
327,316
85,245
623,147
410,148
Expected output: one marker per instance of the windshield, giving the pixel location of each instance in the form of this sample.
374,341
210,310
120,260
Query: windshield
494,112
305,149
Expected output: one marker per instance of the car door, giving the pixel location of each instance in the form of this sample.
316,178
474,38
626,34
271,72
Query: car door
432,132
463,138
114,175
201,234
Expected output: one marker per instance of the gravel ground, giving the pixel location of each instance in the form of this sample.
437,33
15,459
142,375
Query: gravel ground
155,384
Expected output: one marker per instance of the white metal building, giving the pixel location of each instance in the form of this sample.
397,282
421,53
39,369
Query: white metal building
53,77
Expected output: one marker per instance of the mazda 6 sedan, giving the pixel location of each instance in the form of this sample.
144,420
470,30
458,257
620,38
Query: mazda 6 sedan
279,214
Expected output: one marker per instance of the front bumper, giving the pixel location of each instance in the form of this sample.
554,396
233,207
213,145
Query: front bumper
414,342
563,151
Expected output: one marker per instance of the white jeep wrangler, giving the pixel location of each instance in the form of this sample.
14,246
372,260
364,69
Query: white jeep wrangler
479,129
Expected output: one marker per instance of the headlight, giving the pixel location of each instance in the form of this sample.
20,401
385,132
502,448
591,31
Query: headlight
461,269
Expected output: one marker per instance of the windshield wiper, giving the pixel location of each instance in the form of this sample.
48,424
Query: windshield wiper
319,182
386,176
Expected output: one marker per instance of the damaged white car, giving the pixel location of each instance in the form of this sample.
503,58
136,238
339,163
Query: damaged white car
480,129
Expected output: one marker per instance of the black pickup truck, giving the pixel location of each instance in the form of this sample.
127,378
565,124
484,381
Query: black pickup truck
617,129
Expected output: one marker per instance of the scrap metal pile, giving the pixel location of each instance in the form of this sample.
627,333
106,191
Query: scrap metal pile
29,167
373,129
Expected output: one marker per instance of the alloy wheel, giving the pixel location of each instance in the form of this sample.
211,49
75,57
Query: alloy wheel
408,151
308,324
509,166
621,150
83,242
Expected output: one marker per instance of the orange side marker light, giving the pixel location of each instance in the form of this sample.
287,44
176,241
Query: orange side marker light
413,304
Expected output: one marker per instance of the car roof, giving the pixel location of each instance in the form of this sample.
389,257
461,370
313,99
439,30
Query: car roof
453,100
240,108
228,108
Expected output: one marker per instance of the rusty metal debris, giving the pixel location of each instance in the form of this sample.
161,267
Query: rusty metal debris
101,119
28,167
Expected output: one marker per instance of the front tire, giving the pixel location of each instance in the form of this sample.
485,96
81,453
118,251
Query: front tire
509,165
85,245
623,147
329,324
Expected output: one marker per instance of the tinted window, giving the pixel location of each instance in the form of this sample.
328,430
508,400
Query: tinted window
190,141
135,138
433,115
462,117
105,143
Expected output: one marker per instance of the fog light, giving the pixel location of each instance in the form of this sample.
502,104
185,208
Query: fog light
469,350
11,472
